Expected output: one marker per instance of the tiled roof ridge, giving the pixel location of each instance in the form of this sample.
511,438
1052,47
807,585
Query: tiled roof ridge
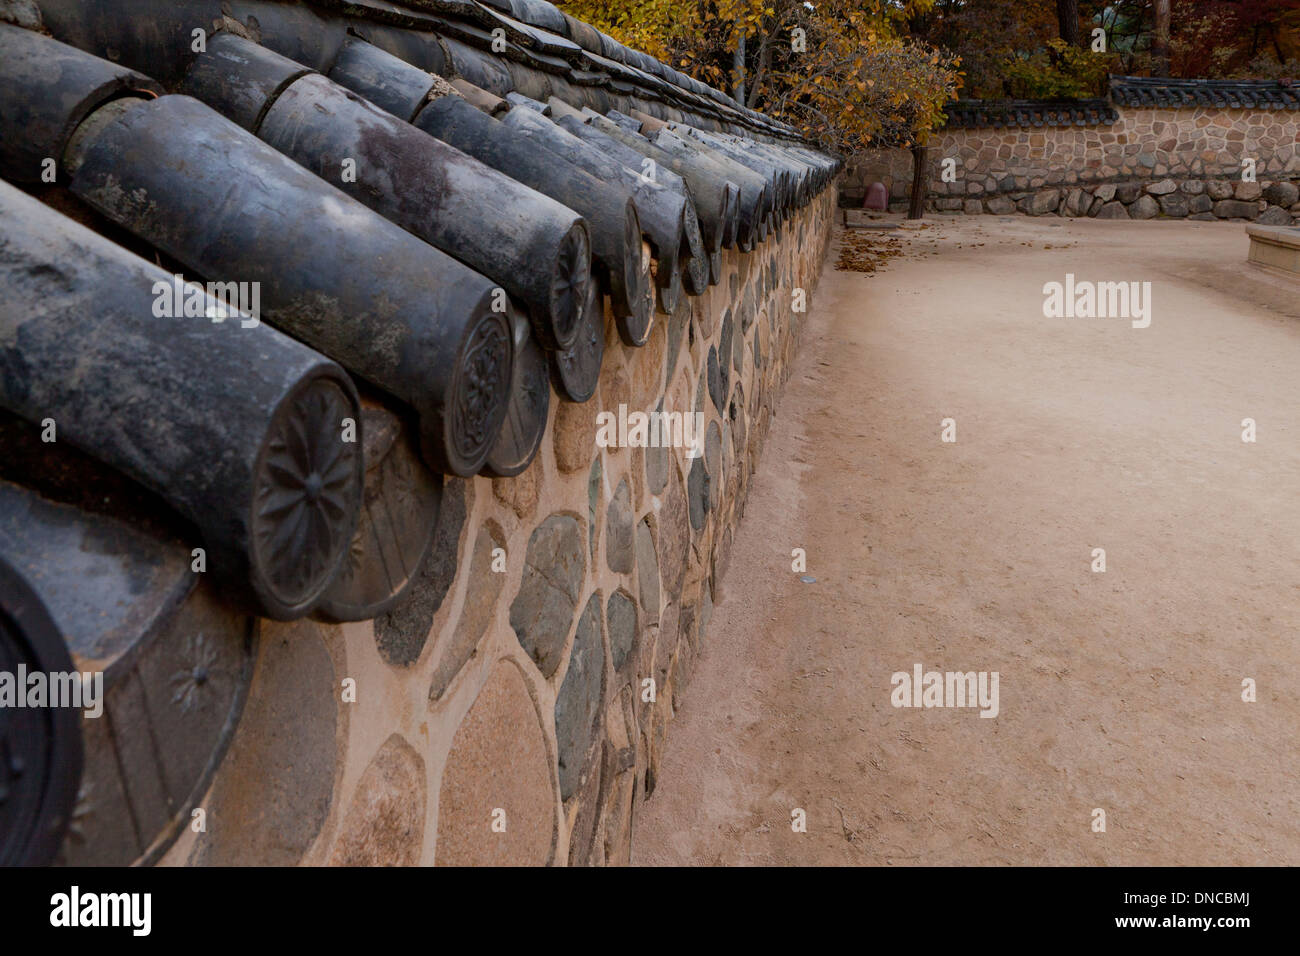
543,37
1015,113
271,102
1125,91
1194,81
1148,91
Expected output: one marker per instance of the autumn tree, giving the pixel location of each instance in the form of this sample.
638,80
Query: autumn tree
1235,38
846,72
1007,50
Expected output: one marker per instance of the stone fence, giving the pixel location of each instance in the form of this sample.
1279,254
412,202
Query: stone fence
513,710
1178,149
410,560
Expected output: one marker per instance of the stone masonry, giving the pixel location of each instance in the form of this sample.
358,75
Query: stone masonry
1165,162
514,710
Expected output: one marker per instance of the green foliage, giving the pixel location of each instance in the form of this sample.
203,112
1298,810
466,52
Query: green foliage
1058,71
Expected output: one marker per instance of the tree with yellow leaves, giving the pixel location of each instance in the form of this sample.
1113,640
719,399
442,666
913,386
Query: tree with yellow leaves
843,71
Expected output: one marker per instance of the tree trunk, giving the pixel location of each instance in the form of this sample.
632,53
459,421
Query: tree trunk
1067,20
1160,41
764,61
920,181
738,69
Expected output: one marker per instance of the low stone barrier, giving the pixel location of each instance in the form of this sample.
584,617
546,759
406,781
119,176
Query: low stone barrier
1195,149
1269,203
513,710
1275,247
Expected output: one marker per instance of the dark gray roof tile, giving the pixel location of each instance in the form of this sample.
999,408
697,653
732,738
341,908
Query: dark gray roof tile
999,114
1164,92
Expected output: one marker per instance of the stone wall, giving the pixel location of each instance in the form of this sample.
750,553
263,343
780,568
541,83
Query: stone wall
1151,162
502,714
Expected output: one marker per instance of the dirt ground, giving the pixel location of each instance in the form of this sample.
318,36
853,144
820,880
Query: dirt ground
1119,691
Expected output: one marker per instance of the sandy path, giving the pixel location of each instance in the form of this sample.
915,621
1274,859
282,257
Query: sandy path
1120,690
